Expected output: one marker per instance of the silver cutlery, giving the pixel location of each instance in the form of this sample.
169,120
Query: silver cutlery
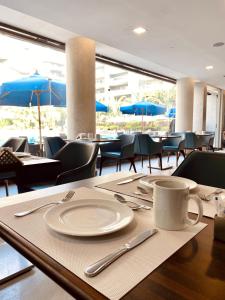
131,179
133,205
141,191
214,193
68,196
95,268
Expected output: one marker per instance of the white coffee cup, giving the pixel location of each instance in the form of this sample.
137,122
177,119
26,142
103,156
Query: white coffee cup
170,205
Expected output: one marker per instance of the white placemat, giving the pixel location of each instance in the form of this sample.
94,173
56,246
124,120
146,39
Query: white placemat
209,207
76,253
126,189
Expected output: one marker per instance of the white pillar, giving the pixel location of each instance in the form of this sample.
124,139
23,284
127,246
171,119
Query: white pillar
199,109
184,104
80,73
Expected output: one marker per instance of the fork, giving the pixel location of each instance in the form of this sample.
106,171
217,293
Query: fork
215,193
68,196
133,205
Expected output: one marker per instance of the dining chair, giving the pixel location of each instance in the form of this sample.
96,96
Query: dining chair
52,145
207,141
78,161
146,146
192,141
17,144
174,145
207,168
9,168
119,151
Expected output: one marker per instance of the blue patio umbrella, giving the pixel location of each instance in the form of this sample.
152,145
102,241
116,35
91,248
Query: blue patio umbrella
100,107
143,108
34,90
171,113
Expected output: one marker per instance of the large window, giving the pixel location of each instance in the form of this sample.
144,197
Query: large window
20,58
114,87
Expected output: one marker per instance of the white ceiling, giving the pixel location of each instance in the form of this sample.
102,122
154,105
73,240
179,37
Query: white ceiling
178,41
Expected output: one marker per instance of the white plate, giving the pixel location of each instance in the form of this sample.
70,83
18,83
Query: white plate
88,217
22,154
148,181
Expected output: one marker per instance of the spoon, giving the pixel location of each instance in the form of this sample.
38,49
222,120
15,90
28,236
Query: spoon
141,191
131,204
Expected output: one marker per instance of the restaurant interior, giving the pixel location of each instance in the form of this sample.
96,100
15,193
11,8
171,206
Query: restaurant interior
112,150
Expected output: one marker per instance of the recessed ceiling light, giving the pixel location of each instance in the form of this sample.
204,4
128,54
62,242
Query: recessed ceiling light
139,30
209,67
218,44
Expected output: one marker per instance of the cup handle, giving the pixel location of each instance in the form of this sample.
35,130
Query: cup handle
200,210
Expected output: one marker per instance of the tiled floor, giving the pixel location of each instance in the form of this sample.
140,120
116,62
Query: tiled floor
154,163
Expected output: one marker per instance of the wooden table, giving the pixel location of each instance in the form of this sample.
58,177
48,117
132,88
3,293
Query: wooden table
196,271
163,137
37,169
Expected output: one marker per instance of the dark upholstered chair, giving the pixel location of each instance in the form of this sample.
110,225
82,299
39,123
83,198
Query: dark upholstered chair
145,146
17,144
119,151
175,145
52,145
192,141
78,161
9,168
207,141
207,168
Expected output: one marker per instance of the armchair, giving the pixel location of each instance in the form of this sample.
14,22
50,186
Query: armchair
78,161
192,141
207,168
207,140
119,151
17,144
176,145
52,145
145,146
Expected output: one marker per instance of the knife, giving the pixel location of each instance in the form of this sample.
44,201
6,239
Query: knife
131,179
95,268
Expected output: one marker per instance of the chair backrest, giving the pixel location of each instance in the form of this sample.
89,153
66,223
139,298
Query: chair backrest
126,139
77,154
207,139
52,145
144,145
17,144
172,141
181,134
191,141
9,162
205,168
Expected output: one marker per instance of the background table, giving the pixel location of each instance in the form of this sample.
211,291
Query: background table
37,169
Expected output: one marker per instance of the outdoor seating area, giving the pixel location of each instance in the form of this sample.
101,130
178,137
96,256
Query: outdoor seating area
112,150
